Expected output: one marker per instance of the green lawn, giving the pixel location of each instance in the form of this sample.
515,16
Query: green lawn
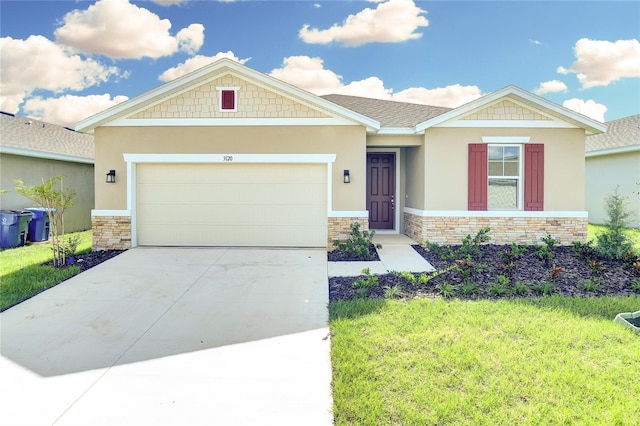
525,361
22,274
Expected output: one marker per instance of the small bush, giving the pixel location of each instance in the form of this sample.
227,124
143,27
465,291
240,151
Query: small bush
614,243
520,288
392,292
363,285
358,245
446,289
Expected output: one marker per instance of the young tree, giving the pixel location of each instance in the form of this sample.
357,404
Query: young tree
56,201
614,243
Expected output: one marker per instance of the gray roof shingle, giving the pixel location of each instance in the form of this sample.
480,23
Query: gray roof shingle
23,134
388,113
621,133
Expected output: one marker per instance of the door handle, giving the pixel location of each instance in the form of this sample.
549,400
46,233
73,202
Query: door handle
393,203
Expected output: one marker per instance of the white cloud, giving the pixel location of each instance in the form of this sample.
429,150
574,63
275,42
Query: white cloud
39,63
196,62
552,86
450,96
598,62
536,42
119,29
67,110
390,22
309,74
589,108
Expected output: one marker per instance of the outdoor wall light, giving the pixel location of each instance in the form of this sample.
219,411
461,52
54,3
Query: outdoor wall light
111,176
347,177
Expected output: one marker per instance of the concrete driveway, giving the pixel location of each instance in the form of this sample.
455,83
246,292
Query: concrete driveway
166,336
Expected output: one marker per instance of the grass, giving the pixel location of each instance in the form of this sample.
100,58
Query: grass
550,360
22,274
633,233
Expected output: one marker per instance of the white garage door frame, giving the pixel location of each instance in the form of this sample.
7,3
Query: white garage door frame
133,159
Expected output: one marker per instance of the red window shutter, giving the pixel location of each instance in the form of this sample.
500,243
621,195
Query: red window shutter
478,181
228,99
534,177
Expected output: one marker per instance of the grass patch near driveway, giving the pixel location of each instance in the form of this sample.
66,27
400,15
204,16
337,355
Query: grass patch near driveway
551,360
23,275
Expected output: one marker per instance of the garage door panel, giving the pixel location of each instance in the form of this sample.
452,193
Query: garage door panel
220,194
232,204
231,215
229,173
225,236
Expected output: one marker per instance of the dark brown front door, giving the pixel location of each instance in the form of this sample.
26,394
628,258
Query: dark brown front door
381,172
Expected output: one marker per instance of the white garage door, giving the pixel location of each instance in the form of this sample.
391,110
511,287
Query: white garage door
278,205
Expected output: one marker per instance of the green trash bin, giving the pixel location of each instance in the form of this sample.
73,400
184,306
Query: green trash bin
13,228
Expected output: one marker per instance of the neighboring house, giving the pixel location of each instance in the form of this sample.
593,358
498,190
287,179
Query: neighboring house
613,159
35,151
228,156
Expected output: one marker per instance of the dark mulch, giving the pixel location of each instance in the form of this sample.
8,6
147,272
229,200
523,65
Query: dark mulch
89,260
93,258
341,256
615,278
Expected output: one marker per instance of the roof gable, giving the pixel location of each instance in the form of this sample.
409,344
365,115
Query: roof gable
538,107
253,102
505,109
158,102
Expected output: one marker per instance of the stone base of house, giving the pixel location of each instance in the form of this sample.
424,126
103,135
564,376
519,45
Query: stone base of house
525,230
111,232
339,228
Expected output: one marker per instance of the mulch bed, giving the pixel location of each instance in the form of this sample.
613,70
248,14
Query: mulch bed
93,258
614,277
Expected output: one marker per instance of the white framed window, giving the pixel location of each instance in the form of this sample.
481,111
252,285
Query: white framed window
505,189
227,99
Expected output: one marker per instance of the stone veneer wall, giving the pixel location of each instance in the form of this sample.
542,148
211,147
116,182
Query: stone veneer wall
504,230
339,228
111,232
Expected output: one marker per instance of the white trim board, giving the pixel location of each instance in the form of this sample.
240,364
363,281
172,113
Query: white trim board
124,213
229,158
489,213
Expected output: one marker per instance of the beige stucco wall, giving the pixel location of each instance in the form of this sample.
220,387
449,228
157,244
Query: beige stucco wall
347,142
445,157
78,176
394,140
414,169
603,174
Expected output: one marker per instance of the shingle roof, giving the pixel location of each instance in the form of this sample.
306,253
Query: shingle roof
30,137
388,113
621,133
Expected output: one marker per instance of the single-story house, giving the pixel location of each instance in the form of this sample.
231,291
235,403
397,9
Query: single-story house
35,151
613,160
228,156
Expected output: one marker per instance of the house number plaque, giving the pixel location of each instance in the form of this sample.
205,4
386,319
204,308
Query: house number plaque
227,158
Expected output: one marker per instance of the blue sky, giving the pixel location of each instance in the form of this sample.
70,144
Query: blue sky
65,60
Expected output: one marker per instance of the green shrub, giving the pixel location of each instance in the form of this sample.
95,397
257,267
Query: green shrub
446,289
363,285
614,243
358,244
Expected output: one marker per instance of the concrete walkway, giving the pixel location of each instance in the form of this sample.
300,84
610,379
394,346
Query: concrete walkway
174,337
396,254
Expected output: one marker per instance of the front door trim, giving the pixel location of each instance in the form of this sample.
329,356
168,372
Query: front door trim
399,199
